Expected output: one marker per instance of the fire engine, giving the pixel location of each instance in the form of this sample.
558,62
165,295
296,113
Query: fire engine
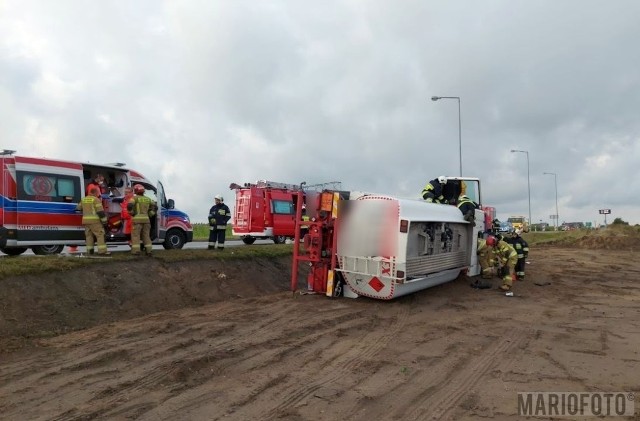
383,247
265,209
38,199
519,223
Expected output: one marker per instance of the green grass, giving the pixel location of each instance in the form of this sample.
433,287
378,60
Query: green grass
201,232
25,265
550,237
569,237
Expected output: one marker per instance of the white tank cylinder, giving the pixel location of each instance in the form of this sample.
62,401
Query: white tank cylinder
389,247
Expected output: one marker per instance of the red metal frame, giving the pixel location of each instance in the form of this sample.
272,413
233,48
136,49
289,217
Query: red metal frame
318,248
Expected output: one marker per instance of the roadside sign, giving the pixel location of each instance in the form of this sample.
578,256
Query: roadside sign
605,211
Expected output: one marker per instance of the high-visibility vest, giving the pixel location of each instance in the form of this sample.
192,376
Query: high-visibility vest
92,210
143,208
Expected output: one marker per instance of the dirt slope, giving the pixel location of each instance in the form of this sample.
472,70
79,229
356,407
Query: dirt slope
450,352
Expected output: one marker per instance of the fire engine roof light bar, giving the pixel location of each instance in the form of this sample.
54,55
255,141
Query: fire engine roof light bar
7,152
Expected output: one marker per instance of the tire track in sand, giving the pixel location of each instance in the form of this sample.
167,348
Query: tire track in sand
436,406
344,364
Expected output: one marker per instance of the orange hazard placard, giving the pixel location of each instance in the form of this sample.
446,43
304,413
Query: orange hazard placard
326,201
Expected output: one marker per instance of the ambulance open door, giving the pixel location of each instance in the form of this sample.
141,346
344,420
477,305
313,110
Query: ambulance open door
163,212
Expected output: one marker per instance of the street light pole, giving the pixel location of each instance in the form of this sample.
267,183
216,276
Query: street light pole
435,98
555,178
528,180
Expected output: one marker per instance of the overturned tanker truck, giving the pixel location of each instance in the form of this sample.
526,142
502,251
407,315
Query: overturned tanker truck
379,246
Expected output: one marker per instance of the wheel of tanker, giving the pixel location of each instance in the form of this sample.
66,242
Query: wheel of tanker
279,239
13,251
248,240
47,250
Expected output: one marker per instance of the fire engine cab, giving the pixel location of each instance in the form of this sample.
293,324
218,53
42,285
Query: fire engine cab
38,199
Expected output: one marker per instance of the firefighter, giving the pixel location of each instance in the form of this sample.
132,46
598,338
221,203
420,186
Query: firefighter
142,209
507,258
485,257
125,215
468,208
433,191
495,226
219,215
522,248
94,220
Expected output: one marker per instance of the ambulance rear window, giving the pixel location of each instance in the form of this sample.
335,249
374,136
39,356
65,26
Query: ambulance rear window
46,187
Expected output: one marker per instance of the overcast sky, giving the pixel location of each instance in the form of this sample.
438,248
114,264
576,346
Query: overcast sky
203,93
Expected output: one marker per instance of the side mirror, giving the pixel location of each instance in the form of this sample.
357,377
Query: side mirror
171,204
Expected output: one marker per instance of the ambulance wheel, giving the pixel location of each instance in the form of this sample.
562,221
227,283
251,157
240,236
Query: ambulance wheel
13,251
248,240
47,250
279,239
175,239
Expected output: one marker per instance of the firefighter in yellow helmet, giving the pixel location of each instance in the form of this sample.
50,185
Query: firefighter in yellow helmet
507,258
142,209
94,219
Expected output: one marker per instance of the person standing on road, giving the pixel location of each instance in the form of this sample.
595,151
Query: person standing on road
142,209
219,215
94,219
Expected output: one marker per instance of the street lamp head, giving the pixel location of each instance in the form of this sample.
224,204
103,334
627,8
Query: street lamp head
435,98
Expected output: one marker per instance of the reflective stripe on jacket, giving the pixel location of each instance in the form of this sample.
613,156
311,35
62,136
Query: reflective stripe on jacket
141,208
92,210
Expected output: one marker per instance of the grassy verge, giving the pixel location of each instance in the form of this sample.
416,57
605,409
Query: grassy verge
551,237
24,265
201,232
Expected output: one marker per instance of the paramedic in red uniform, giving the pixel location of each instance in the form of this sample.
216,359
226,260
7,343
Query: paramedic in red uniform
219,215
124,213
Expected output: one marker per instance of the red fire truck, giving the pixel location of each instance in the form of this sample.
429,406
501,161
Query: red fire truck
265,210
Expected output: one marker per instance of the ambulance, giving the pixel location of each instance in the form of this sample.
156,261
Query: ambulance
38,199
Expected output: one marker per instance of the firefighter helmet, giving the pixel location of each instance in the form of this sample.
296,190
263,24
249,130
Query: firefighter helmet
491,241
218,197
138,189
442,179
